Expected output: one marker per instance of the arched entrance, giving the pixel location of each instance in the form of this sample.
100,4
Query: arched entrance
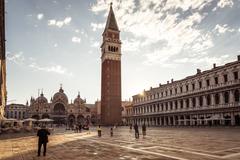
59,113
80,119
93,119
71,120
237,120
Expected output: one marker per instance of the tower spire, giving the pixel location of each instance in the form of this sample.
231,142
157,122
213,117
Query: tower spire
111,20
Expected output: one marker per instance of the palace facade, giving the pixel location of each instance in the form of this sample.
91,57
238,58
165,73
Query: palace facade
61,110
211,97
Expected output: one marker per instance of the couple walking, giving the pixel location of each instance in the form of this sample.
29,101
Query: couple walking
144,130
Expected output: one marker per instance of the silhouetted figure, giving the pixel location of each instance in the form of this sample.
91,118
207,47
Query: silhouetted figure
130,128
111,132
42,140
144,130
136,131
80,127
99,131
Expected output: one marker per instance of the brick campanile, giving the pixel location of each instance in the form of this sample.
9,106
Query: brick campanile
111,72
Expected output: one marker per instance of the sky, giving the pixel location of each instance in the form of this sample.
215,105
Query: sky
53,42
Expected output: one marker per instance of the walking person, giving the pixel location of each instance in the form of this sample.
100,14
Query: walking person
99,131
80,127
111,132
136,131
130,128
144,130
42,140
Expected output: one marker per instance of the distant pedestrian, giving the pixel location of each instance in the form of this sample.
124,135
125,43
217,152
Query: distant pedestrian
42,140
136,131
111,132
130,128
80,127
99,131
144,130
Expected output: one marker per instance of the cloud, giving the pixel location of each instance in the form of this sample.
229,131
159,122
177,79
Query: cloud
55,45
223,3
53,68
172,24
76,39
59,23
204,60
95,44
220,29
96,26
40,16
17,58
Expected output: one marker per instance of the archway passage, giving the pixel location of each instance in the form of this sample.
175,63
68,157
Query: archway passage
45,115
237,120
71,120
59,109
59,114
80,119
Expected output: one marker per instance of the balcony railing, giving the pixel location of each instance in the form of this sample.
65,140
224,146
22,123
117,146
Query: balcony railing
190,109
211,87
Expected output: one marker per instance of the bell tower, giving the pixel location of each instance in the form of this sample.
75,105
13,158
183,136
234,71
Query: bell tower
111,72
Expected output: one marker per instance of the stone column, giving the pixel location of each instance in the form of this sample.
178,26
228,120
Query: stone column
204,101
221,99
185,120
164,121
190,103
174,121
212,99
231,97
169,121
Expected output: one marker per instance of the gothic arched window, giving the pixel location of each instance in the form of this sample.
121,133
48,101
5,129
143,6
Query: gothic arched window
236,95
109,49
226,97
117,49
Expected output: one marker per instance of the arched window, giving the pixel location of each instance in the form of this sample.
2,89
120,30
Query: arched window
187,103
193,102
109,49
176,105
181,104
226,97
117,49
112,48
200,100
217,98
208,100
236,95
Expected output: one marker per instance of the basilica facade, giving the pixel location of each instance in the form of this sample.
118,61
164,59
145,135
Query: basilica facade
61,110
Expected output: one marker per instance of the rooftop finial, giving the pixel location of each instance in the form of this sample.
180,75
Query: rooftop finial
111,4
78,94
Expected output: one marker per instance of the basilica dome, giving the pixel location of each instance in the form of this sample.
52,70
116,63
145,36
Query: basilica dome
41,99
60,97
79,100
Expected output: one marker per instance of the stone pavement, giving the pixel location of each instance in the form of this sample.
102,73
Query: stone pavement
159,144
